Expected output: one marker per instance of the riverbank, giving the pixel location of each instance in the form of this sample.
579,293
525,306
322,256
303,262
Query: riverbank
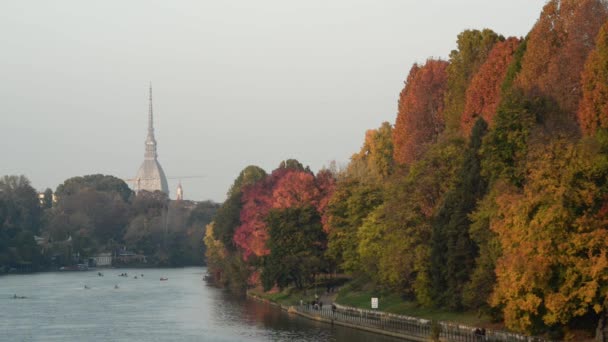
333,317
407,327
353,296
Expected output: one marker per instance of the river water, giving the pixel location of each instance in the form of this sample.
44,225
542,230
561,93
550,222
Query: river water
58,307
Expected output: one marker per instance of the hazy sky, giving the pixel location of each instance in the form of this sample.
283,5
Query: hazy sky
236,82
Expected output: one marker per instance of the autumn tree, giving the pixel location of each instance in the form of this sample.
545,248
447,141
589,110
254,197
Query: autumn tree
290,185
377,152
593,110
474,47
558,47
420,117
227,218
554,263
484,93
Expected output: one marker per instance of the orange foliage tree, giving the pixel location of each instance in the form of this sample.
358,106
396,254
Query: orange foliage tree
483,94
474,47
420,117
554,263
558,47
593,110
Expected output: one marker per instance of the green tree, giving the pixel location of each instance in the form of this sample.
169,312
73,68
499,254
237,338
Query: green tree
296,242
453,252
20,219
357,193
396,236
48,199
350,204
505,147
97,182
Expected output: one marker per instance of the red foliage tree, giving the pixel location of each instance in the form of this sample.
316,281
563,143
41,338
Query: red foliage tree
326,183
593,110
284,188
251,235
420,117
483,95
557,49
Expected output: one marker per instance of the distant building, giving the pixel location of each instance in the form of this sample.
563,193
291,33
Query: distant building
40,241
127,257
180,192
103,260
42,199
151,176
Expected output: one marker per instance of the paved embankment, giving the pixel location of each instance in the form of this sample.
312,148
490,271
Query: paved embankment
400,326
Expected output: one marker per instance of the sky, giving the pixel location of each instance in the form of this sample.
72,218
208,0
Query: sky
235,82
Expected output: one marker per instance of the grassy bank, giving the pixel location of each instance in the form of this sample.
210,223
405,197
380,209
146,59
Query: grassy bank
359,295
286,297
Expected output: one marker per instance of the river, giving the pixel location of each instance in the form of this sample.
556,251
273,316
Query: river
58,307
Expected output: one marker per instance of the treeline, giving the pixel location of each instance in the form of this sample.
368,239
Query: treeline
489,192
96,214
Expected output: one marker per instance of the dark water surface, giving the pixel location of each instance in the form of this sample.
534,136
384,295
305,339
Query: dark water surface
183,308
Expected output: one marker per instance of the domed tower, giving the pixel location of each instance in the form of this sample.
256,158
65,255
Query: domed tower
151,176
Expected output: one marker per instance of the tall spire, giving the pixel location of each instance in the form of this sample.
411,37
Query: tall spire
150,141
150,116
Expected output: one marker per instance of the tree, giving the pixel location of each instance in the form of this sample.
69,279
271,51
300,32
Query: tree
474,47
477,291
558,46
453,252
20,215
227,218
202,214
396,235
296,241
377,151
593,110
420,118
48,199
107,212
505,147
484,93
553,237
357,193
215,253
350,204
21,205
289,185
96,182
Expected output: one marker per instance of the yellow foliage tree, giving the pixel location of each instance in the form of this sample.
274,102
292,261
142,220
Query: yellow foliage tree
553,236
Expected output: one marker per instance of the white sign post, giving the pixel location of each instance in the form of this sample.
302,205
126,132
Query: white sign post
374,302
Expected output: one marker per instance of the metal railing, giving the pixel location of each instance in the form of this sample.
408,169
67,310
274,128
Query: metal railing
412,326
